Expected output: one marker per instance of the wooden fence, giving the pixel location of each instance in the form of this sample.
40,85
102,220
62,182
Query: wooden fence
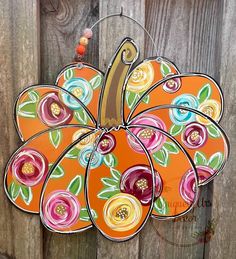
38,38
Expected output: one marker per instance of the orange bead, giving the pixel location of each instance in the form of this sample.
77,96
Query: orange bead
83,41
80,49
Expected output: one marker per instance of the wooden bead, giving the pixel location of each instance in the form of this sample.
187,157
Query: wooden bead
88,33
78,58
80,49
83,41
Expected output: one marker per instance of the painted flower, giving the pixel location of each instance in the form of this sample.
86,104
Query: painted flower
141,78
172,85
211,108
137,181
152,140
187,184
84,156
52,111
122,212
61,209
29,167
106,144
81,89
180,116
194,135
87,141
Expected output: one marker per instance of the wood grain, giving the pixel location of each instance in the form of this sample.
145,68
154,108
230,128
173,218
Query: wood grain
62,24
224,242
19,66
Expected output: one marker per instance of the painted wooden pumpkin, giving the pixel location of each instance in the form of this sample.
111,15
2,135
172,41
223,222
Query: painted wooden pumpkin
113,149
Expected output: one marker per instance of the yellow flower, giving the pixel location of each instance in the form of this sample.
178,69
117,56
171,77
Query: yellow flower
210,108
141,78
122,212
86,141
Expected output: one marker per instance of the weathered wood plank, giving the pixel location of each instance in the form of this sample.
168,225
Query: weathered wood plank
223,244
62,24
186,33
19,65
111,33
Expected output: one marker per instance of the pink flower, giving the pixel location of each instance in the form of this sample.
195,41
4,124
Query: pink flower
194,135
29,167
53,112
152,139
172,85
187,185
61,209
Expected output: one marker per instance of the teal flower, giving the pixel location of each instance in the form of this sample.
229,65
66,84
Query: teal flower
81,89
180,116
84,156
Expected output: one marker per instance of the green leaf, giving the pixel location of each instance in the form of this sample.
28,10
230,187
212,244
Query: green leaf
75,185
27,109
115,174
69,73
110,160
96,81
81,116
213,131
110,182
84,216
215,161
131,99
57,172
55,137
171,147
204,93
146,99
107,193
161,206
14,190
165,69
26,194
199,158
176,129
161,157
73,153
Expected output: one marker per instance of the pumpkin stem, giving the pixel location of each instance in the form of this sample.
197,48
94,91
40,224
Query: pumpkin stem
111,107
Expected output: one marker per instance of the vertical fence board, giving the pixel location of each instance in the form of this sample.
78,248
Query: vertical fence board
186,33
19,66
111,32
224,241
62,24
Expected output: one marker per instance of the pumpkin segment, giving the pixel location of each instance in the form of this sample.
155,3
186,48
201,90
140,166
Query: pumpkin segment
29,166
84,82
63,206
143,77
47,106
196,91
121,212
